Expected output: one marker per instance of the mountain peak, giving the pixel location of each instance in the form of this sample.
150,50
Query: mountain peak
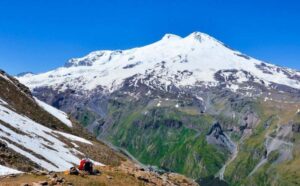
171,37
25,74
199,36
199,54
197,33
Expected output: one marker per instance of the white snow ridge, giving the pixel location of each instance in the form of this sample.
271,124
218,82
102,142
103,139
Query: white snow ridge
6,171
173,60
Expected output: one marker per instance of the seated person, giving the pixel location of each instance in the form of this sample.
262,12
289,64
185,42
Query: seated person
86,165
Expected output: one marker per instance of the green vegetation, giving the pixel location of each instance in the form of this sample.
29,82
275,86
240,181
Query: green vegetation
174,139
168,138
252,150
86,118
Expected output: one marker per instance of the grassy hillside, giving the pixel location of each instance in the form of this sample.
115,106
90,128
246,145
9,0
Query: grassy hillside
173,137
170,138
274,118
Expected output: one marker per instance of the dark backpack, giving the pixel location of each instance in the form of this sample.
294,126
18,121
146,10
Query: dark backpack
73,171
88,166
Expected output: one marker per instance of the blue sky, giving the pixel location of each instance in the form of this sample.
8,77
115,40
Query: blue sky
39,35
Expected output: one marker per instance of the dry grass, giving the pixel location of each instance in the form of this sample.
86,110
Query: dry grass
109,177
127,174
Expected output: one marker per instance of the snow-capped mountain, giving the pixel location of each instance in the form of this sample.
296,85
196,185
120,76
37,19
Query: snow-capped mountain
197,59
190,105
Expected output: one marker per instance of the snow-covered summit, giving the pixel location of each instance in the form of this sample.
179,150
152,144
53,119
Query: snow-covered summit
180,61
171,37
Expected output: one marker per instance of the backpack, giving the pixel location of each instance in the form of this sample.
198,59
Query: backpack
73,171
88,166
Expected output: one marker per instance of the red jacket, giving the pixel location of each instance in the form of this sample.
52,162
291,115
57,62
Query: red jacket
81,165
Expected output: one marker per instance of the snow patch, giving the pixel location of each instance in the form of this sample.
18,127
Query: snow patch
7,171
34,138
63,117
3,102
75,145
74,138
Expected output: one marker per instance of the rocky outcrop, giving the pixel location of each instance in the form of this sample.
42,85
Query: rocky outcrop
217,137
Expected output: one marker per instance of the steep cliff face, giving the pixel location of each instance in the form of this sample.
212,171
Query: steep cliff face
190,105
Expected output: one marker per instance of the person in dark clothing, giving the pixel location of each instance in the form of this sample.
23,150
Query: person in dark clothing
88,167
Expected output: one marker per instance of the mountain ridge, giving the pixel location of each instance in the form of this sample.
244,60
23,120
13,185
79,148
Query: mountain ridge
193,60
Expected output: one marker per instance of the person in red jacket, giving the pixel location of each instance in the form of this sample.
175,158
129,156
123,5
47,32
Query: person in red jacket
86,165
82,163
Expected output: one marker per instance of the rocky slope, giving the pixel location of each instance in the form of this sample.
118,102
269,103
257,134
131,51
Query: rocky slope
41,135
190,105
35,137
